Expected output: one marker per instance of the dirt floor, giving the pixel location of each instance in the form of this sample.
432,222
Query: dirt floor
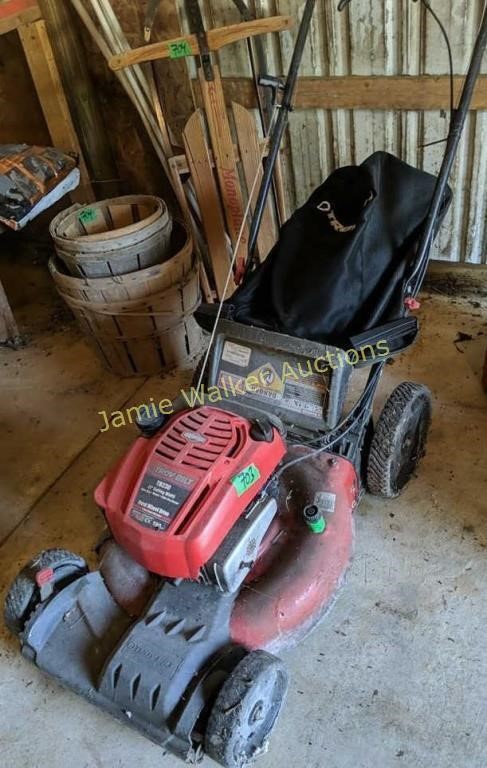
397,673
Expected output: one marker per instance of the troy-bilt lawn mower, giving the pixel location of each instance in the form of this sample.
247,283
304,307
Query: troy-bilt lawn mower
231,523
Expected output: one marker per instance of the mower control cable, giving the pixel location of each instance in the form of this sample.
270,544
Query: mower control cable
458,124
429,9
340,431
427,6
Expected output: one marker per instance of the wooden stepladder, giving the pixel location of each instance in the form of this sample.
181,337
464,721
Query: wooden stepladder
214,170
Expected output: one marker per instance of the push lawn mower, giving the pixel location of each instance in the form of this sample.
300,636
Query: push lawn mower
231,522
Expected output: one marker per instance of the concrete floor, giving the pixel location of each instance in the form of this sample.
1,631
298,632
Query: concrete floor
397,673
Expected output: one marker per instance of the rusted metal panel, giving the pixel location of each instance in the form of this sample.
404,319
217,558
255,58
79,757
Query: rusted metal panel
373,37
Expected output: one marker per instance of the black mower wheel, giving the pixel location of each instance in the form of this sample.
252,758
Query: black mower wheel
24,594
246,710
399,440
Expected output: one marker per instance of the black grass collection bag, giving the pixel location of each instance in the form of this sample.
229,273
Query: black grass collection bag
341,260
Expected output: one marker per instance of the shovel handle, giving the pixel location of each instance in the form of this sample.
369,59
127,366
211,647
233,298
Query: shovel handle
180,47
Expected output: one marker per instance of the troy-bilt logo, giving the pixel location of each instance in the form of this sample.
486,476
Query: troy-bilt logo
194,437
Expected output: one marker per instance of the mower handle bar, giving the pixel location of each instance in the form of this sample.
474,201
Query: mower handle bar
456,130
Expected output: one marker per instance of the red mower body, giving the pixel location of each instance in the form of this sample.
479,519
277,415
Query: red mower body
173,498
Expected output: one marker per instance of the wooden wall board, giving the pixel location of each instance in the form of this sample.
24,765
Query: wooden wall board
362,92
21,117
82,96
45,73
8,327
250,154
208,200
172,78
13,13
226,167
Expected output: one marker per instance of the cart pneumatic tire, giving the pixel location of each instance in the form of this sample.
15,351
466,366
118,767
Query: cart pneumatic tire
400,439
24,596
246,710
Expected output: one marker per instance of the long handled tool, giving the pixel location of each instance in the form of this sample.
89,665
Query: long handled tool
265,103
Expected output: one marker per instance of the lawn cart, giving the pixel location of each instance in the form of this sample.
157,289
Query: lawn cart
231,522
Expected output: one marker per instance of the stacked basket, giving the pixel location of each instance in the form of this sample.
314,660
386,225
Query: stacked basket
129,275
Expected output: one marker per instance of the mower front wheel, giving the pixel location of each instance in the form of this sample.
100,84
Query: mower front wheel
246,710
24,595
399,440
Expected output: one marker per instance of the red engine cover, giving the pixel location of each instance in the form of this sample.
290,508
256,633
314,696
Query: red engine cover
172,499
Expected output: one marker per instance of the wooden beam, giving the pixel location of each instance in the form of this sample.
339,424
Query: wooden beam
382,93
208,200
250,153
226,167
63,28
45,74
9,333
16,12
171,75
189,46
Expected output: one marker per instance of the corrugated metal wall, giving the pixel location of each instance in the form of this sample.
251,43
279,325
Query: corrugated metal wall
380,37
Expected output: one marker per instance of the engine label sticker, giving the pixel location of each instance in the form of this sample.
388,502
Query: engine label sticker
236,354
161,495
246,479
326,502
265,384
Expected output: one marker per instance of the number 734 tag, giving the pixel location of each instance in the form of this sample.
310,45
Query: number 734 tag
246,479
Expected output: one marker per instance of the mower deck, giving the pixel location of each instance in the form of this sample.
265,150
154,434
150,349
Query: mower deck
145,673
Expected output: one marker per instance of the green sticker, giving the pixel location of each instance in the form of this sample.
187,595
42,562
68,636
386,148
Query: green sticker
89,214
246,479
179,50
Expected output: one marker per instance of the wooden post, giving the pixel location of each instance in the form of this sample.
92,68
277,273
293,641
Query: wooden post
209,202
226,167
8,327
172,77
387,92
40,57
251,155
71,60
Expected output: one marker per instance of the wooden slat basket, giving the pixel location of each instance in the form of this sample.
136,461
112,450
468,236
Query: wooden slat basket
113,237
142,323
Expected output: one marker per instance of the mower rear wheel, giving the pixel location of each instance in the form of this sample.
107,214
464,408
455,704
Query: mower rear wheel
24,594
399,440
246,710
